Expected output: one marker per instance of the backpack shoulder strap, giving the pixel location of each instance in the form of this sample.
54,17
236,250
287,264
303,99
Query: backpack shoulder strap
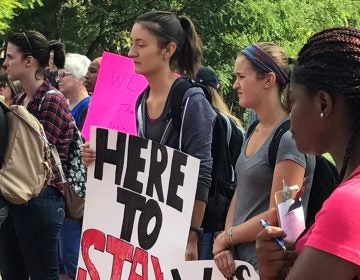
177,92
228,128
50,91
274,144
4,132
139,107
251,128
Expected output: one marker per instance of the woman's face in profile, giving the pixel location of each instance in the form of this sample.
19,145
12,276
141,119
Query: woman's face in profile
14,62
306,121
91,76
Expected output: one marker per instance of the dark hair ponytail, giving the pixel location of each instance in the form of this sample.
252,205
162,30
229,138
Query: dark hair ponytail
191,53
168,28
59,53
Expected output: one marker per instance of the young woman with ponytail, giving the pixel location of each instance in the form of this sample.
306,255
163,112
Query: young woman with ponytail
162,44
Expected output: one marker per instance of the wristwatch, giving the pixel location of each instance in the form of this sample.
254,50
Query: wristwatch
198,231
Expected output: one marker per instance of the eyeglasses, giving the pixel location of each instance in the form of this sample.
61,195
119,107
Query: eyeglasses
3,85
62,75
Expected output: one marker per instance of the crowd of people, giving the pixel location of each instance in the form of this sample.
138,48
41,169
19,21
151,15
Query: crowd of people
319,92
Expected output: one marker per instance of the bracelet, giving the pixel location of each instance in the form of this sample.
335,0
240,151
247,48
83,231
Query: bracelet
229,235
198,231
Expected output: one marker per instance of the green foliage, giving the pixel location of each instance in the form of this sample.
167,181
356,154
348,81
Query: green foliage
225,26
8,7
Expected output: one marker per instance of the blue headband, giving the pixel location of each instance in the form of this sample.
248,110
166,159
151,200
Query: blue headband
262,60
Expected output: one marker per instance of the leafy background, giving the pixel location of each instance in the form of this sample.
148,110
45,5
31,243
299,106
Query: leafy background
225,26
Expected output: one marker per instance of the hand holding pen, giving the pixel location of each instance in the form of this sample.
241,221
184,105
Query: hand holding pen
264,223
273,261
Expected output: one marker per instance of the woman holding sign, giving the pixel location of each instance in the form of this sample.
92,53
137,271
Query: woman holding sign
162,44
325,116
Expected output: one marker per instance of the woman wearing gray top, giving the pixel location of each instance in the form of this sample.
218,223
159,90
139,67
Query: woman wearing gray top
262,72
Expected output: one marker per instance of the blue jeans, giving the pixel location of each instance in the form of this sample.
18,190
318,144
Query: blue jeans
69,244
29,238
4,210
206,245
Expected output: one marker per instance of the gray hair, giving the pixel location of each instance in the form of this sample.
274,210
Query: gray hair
77,64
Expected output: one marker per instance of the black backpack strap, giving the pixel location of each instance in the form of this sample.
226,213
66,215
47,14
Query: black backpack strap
274,145
251,128
177,92
4,132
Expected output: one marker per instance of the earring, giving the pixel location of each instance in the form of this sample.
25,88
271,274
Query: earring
321,114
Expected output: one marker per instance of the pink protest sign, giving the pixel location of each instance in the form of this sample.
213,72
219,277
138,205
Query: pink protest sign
113,102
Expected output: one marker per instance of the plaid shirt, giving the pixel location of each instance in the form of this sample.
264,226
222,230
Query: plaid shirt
55,116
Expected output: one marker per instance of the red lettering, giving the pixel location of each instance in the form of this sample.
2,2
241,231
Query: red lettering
157,269
140,257
81,274
96,238
121,251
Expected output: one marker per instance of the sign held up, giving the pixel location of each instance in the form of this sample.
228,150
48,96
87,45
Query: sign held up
138,209
113,102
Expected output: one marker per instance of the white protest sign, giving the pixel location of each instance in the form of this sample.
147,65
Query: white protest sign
139,202
207,270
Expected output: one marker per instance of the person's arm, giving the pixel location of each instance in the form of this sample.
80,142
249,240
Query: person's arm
193,238
292,173
88,155
225,260
313,264
273,262
231,210
197,130
225,263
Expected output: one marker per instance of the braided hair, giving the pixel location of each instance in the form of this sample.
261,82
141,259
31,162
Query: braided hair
330,61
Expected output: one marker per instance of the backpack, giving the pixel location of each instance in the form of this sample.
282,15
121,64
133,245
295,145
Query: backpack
225,149
74,185
3,135
26,166
75,177
325,177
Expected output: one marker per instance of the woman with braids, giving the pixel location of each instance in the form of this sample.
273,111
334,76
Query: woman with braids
325,116
262,74
29,236
162,43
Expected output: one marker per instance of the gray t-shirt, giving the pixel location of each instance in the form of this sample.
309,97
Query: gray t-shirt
254,180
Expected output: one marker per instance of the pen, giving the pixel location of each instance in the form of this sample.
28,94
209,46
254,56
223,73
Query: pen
265,224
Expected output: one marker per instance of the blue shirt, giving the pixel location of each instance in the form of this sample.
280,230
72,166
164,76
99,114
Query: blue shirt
78,111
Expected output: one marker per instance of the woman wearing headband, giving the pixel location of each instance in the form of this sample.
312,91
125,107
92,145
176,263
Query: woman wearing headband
262,74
